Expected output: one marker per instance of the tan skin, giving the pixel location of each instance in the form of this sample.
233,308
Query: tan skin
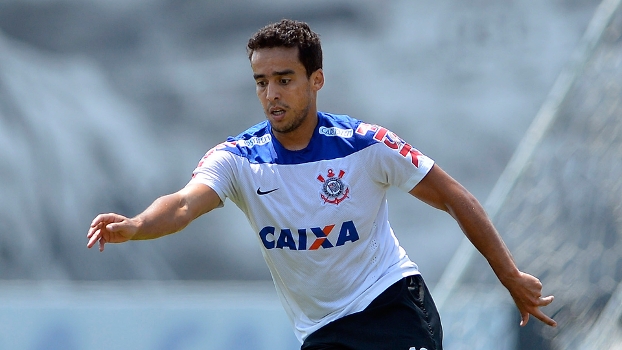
288,97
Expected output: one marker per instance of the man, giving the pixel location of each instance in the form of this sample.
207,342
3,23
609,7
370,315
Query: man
313,187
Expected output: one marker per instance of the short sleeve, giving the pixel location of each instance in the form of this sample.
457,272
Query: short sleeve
394,162
216,170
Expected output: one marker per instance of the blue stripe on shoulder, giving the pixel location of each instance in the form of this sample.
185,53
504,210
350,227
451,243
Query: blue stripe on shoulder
334,137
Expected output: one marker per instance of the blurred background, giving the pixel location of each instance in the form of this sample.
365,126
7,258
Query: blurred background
106,105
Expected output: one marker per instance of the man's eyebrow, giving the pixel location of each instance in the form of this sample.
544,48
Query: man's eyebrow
275,74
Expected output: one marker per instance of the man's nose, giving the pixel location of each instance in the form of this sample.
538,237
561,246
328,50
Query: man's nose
273,92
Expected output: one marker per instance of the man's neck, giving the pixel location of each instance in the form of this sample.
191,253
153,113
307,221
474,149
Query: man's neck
299,138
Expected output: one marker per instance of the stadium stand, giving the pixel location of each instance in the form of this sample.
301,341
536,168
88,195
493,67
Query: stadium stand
558,206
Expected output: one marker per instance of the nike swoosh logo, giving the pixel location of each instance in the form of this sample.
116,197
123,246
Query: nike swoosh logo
261,193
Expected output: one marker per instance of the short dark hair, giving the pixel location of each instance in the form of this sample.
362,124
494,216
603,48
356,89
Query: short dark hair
290,33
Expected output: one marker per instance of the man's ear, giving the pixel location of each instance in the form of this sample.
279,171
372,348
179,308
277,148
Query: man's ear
317,79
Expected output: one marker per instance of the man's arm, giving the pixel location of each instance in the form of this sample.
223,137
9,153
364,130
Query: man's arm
441,191
167,214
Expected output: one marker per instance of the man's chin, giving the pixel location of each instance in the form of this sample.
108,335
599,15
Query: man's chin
278,125
281,130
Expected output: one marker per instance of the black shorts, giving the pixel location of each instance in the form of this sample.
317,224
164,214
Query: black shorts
403,317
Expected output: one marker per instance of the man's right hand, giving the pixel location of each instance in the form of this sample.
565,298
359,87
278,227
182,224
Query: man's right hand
110,228
167,214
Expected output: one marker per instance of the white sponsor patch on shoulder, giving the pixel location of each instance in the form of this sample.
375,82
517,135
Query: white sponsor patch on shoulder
334,131
256,140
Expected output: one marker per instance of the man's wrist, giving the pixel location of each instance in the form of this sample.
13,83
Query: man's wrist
508,275
138,223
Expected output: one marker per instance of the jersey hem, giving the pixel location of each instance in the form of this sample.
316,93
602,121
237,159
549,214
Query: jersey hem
361,302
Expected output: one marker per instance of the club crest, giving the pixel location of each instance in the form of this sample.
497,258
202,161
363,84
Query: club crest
334,190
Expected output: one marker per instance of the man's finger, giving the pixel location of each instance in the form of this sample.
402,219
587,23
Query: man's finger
546,301
93,238
94,229
544,318
524,318
540,315
102,242
95,221
100,219
91,231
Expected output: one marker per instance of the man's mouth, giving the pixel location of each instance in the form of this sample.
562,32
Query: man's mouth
276,111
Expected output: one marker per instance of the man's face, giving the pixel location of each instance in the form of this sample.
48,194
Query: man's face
286,93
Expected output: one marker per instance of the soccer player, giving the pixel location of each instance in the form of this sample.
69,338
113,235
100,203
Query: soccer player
313,187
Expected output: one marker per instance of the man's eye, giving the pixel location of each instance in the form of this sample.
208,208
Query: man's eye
285,81
261,83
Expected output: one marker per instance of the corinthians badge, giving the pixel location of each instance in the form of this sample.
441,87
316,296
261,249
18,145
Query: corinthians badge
334,190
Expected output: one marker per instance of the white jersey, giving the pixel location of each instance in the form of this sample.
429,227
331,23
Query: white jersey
320,214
